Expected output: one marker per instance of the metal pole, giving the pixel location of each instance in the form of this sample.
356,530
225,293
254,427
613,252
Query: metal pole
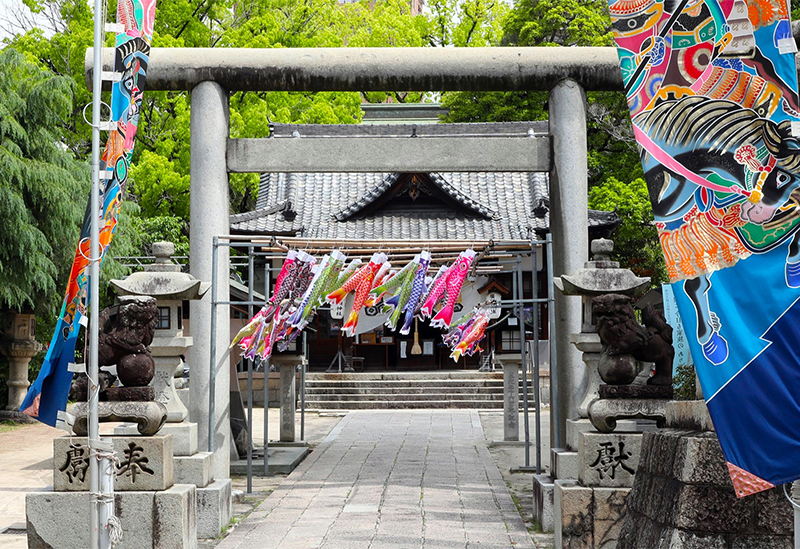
212,378
796,507
303,388
555,418
266,380
94,285
537,389
250,275
523,357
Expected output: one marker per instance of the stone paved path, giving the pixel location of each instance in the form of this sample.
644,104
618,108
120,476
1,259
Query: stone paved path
391,479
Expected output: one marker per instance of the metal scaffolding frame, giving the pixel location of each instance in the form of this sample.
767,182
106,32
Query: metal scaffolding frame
501,254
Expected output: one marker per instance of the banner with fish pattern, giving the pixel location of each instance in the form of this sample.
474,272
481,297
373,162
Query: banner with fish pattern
48,394
712,91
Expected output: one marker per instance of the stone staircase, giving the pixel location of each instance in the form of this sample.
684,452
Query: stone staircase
393,390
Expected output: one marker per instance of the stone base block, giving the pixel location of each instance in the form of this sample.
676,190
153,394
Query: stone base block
608,459
175,517
196,469
184,436
143,463
577,426
157,520
564,464
214,508
543,487
588,518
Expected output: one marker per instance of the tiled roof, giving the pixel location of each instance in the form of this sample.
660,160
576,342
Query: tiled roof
513,201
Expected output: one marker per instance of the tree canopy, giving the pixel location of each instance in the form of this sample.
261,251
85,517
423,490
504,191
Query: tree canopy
42,187
615,172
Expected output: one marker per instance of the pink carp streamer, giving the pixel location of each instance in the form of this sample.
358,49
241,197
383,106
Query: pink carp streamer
304,284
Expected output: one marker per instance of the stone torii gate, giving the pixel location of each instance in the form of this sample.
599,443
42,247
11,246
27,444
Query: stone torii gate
211,74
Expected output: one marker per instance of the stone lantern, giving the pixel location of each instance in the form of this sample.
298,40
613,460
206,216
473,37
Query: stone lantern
19,346
598,277
164,281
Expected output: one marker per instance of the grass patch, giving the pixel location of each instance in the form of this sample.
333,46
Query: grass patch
8,426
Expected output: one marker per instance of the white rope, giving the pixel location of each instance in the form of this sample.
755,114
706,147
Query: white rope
112,524
786,493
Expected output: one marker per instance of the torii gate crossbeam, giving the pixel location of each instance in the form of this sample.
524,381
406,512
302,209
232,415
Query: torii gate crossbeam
210,74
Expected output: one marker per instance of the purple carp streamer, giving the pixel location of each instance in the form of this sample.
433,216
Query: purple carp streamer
304,285
712,91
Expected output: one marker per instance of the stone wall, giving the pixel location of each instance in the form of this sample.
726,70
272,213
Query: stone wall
682,498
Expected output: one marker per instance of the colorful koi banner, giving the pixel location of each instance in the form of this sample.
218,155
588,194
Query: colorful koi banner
712,91
48,394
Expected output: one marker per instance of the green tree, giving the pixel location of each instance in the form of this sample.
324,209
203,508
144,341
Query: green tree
636,243
43,189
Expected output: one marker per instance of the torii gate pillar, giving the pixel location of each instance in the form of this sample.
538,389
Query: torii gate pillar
208,203
568,223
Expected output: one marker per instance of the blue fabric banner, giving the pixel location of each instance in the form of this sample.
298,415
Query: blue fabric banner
712,91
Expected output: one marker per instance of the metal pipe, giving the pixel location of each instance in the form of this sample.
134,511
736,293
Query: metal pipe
555,418
523,358
250,275
380,69
267,268
303,388
537,388
213,359
94,286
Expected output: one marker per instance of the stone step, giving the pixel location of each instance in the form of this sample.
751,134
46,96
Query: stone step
402,404
403,376
405,382
314,390
405,397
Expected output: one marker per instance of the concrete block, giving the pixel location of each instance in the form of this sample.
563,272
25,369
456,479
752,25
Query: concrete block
175,518
543,487
214,508
184,435
60,520
196,469
143,463
608,459
609,515
574,516
564,463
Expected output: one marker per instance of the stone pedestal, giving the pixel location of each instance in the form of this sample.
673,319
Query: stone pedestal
143,463
588,511
19,346
152,511
511,401
158,520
